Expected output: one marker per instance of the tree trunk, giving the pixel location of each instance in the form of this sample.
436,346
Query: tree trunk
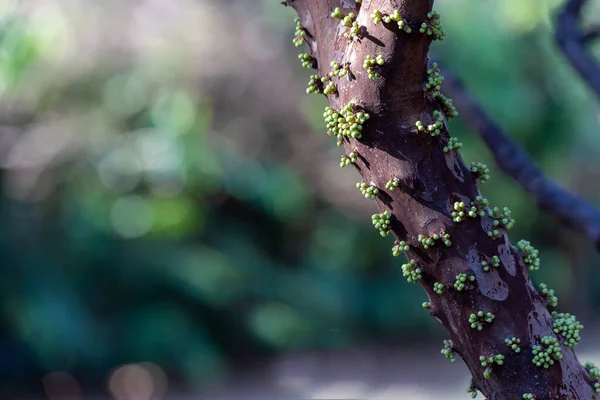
429,183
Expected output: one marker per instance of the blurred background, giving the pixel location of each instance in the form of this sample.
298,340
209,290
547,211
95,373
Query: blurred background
174,222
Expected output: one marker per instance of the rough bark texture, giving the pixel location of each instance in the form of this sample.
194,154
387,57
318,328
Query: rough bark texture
430,182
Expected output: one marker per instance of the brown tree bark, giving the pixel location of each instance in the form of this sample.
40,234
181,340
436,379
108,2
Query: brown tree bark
430,182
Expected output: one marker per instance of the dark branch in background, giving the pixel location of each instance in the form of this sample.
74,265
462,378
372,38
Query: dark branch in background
571,39
593,34
513,160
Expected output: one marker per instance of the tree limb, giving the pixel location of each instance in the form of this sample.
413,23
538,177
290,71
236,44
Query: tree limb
572,210
477,282
571,40
592,34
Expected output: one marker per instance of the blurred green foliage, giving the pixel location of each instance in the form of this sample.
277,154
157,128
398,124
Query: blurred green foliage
132,228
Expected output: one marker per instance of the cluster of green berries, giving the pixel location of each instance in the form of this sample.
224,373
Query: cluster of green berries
330,88
445,237
472,389
567,326
448,350
501,219
369,191
346,123
392,184
592,370
433,27
487,362
434,87
339,70
438,287
336,71
314,85
371,63
493,262
299,34
513,343
462,281
411,271
477,320
399,248
434,129
447,106
396,17
481,171
348,159
348,21
377,16
434,80
530,255
458,215
337,13
594,374
428,242
382,222
528,396
307,60
354,32
453,144
478,207
545,354
494,233
548,294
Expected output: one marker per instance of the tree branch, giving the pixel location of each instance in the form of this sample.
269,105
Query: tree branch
572,210
477,282
592,34
571,40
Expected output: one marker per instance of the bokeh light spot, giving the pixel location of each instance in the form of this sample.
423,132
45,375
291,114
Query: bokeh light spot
61,386
131,216
120,170
143,381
